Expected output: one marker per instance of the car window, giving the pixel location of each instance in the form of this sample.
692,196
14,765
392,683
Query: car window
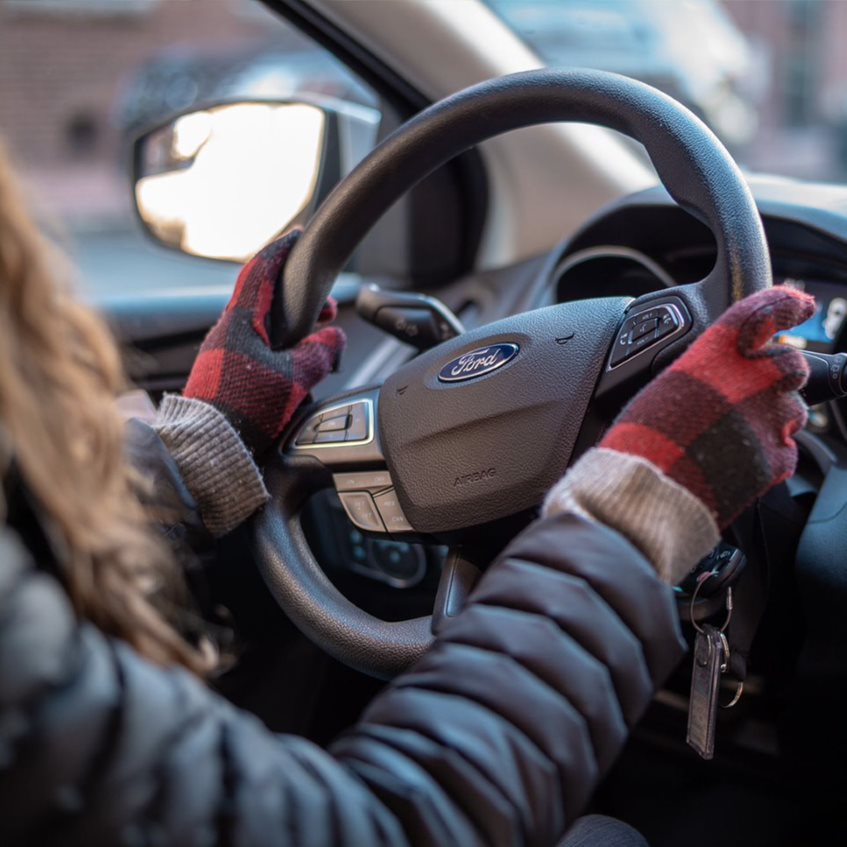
768,76
80,78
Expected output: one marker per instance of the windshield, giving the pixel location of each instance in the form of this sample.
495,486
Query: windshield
768,76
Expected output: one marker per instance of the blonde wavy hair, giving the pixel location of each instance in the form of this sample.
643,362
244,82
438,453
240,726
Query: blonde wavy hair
60,373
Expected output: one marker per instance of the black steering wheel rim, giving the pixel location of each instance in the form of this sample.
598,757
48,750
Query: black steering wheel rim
695,168
691,162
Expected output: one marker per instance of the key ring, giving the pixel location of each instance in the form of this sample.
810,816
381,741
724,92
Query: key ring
729,606
739,690
725,650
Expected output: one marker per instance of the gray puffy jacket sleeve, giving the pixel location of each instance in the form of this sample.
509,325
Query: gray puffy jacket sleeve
497,736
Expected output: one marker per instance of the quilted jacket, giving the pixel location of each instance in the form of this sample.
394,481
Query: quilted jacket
497,736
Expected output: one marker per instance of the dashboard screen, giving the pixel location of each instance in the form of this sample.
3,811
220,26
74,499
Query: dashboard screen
820,331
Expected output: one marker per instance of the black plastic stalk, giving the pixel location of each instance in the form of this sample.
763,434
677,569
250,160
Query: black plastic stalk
416,319
827,380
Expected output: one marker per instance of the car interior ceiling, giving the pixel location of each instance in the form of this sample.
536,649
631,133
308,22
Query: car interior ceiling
778,753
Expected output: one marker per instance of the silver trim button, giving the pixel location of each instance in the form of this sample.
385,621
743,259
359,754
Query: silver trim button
361,510
306,436
358,428
340,422
330,437
391,512
372,481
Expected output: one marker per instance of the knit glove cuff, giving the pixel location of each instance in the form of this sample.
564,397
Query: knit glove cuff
216,466
671,526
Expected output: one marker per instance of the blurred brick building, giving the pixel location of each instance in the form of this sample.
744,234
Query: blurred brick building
59,99
803,113
66,67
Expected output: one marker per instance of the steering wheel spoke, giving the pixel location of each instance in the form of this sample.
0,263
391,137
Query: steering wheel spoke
342,435
341,432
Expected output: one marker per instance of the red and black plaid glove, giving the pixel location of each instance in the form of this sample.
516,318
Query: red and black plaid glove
720,420
257,388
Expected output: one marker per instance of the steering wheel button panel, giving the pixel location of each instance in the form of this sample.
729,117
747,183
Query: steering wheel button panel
347,425
361,510
642,330
334,412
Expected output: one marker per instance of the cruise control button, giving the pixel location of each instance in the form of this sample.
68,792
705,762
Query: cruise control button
334,424
619,353
642,328
307,432
364,481
649,315
668,323
361,510
358,429
337,412
305,437
392,514
331,437
636,346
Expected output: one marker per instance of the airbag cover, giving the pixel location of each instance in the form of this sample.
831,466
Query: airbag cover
490,444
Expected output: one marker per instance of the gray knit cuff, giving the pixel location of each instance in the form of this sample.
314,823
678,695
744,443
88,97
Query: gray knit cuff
671,526
216,466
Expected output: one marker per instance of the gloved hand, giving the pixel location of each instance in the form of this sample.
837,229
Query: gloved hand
720,420
259,389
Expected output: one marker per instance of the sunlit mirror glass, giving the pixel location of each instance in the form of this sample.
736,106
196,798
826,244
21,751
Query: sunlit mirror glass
222,182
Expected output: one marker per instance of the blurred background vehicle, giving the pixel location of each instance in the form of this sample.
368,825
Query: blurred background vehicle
690,49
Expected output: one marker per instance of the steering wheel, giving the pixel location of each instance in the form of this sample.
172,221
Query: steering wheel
476,430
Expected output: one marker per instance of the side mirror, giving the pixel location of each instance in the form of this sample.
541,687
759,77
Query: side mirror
222,181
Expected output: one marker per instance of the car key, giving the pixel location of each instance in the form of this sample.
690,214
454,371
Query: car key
711,656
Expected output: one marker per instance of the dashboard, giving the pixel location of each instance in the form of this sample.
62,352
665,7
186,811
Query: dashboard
641,244
647,243
615,270
822,332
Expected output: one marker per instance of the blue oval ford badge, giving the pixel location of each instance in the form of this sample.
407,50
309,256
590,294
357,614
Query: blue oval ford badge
478,362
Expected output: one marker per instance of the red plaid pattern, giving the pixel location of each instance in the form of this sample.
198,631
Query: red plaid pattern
256,387
720,420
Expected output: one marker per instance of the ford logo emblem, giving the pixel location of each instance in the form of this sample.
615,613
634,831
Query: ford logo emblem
478,362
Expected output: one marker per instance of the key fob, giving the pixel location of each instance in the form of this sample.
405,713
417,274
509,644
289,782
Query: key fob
710,661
